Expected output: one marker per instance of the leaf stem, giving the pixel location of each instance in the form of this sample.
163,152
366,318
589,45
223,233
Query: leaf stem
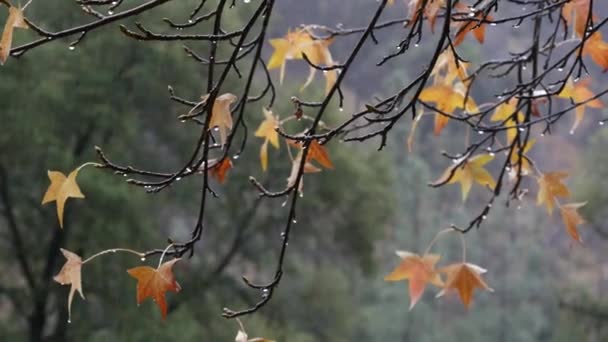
162,256
464,248
113,250
437,236
89,164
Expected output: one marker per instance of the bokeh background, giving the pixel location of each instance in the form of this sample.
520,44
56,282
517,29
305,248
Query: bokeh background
56,104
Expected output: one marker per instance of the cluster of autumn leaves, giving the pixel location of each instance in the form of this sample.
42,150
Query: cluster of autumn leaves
419,270
448,92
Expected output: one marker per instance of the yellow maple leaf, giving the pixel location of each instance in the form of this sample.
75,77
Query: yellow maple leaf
297,44
579,93
61,189
14,20
525,163
447,99
464,278
572,218
505,112
267,131
418,270
472,170
550,187
221,116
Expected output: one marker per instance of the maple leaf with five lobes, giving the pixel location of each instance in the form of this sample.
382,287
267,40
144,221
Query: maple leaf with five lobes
221,116
70,274
572,218
464,278
61,189
220,170
447,99
267,131
550,187
297,44
418,270
580,93
154,282
15,20
471,170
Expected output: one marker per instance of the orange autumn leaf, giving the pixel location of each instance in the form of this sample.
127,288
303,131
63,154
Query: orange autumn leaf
60,190
70,274
267,131
316,152
418,270
580,93
14,20
220,170
464,278
430,10
472,170
550,187
154,283
447,99
572,218
597,49
576,13
478,29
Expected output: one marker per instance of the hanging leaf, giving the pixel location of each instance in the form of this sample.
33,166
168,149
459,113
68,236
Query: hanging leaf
70,274
579,93
464,278
220,170
572,218
14,20
221,116
267,131
154,282
295,167
316,152
505,112
298,43
470,171
447,99
550,187
428,9
516,159
61,189
419,271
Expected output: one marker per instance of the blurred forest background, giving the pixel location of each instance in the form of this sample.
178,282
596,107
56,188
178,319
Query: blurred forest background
57,104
